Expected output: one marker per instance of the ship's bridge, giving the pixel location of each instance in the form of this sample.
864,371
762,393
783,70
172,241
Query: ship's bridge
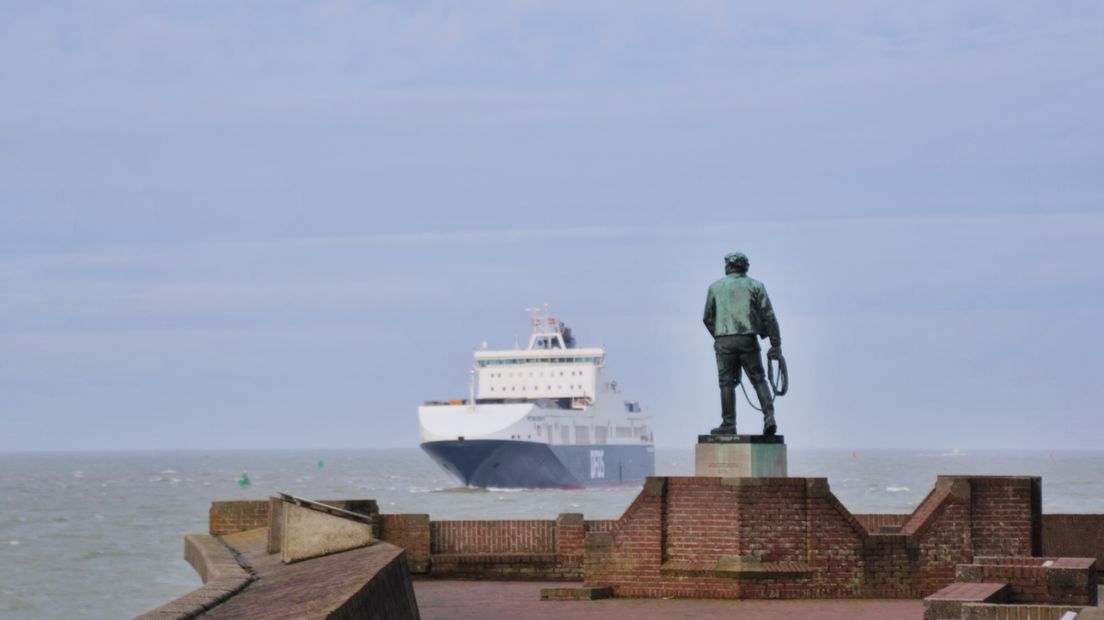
539,373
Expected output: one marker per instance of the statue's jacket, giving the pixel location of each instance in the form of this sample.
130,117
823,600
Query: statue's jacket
739,305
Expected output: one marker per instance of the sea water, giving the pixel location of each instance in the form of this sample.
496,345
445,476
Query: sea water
100,535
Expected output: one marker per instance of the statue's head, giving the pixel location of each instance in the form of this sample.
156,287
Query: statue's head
736,262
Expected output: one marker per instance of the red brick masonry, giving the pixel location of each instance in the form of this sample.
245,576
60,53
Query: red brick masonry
543,549
740,538
792,538
519,549
1074,535
1059,581
237,516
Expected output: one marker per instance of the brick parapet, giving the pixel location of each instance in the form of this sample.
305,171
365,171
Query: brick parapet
1074,535
502,549
229,517
412,533
792,538
1006,513
553,548
514,536
1037,580
729,538
600,525
570,534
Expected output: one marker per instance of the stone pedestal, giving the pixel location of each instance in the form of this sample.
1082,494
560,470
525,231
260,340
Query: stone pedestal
740,456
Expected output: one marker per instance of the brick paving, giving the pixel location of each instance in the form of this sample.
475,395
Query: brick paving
461,600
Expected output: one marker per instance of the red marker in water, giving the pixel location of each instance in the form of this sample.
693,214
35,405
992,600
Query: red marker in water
854,455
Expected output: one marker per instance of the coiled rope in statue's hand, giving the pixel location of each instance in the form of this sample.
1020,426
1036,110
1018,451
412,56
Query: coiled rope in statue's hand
779,379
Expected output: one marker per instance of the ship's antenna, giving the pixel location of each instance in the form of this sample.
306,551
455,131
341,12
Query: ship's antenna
471,391
534,319
548,320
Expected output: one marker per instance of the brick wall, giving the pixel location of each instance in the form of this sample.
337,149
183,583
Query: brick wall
600,525
1007,515
529,536
707,538
506,549
526,549
1037,580
412,533
1074,536
237,516
738,538
792,538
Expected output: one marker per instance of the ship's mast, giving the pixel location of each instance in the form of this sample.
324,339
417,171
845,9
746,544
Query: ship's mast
544,332
471,390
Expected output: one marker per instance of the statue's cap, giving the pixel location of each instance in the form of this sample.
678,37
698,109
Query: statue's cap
735,258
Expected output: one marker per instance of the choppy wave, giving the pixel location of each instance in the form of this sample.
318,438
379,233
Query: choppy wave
461,490
93,554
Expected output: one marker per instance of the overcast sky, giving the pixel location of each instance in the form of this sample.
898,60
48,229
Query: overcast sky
279,224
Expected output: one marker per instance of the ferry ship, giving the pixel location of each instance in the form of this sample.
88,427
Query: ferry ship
538,417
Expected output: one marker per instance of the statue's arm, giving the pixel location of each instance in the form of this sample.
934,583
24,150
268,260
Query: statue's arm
710,318
769,321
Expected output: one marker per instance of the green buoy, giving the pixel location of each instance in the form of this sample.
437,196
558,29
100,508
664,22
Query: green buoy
244,481
321,463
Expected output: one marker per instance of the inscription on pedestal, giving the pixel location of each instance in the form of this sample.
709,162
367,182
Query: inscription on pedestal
740,456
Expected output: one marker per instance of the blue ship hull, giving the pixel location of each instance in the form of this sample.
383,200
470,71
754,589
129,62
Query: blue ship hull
505,464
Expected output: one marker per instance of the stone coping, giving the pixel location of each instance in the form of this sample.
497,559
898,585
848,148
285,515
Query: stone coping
313,589
989,611
1036,562
326,508
967,591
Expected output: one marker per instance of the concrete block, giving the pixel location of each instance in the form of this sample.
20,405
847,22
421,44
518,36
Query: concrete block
740,459
817,487
309,534
570,518
598,540
275,524
655,487
956,486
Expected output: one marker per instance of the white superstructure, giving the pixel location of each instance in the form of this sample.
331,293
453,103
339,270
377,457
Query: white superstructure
549,393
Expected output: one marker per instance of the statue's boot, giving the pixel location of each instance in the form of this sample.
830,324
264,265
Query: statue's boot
728,413
763,391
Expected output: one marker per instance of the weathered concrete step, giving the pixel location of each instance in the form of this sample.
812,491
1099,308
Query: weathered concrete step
986,611
576,594
948,602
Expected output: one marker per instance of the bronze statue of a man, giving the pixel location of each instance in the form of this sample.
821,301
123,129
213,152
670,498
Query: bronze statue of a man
737,314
